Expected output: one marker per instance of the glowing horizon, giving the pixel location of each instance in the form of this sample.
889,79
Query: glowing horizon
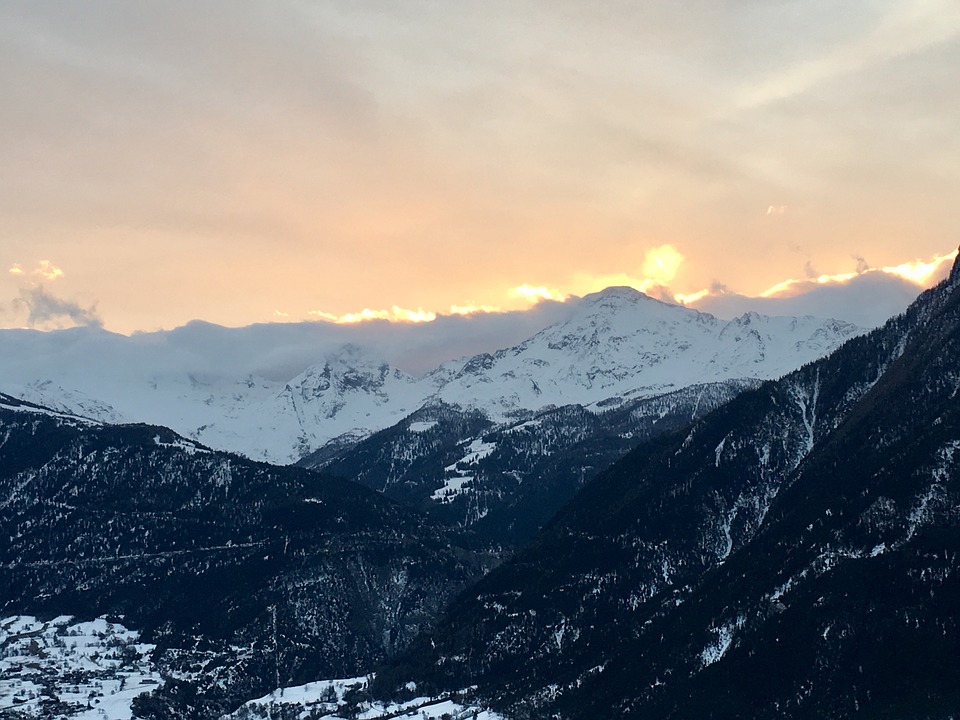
918,272
662,264
253,162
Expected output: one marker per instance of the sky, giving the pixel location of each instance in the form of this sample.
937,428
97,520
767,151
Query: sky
243,162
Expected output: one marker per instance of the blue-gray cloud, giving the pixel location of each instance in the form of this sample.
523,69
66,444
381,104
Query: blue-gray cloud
868,300
43,309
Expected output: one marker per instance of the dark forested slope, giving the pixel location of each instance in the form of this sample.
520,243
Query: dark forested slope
255,573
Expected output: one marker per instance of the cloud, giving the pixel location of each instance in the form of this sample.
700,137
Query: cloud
394,314
660,265
280,351
45,270
867,300
472,309
690,298
906,29
350,131
401,315
45,310
789,288
397,314
37,307
922,271
536,293
48,271
866,297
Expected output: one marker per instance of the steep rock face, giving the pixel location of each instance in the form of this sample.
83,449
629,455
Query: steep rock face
616,343
795,553
257,573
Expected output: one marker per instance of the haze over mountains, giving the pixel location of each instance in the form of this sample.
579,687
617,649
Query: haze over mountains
279,392
868,299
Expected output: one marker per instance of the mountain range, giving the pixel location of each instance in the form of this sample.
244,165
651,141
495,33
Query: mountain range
299,396
496,442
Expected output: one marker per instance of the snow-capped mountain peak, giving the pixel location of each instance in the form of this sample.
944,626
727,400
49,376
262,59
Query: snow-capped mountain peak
620,342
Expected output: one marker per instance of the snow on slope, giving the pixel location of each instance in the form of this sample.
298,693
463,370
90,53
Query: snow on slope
209,382
622,343
327,700
350,392
207,394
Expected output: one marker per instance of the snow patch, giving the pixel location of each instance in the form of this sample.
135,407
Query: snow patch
328,700
718,451
181,444
722,640
460,473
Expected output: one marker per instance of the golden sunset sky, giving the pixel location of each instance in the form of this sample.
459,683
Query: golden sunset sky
243,161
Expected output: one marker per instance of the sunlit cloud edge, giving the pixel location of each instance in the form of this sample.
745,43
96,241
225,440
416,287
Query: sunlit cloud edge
918,272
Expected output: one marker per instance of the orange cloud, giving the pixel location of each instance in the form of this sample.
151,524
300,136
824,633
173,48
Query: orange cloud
45,270
780,287
48,271
394,314
473,309
918,271
537,293
660,266
783,287
689,298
